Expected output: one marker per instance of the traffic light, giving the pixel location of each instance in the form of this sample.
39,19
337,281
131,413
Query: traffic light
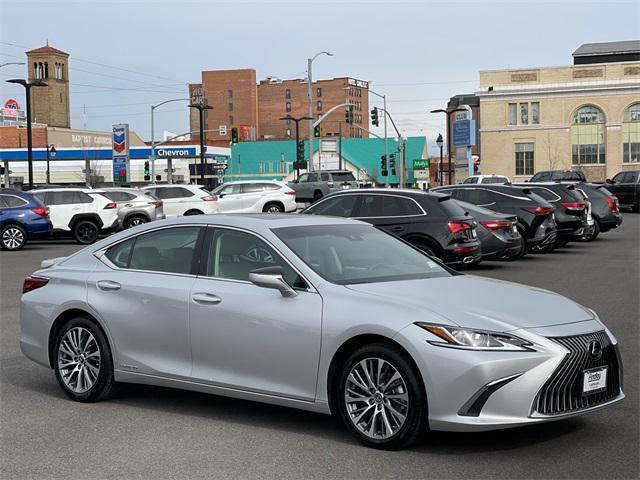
234,135
317,133
348,115
392,163
374,117
383,166
300,151
146,171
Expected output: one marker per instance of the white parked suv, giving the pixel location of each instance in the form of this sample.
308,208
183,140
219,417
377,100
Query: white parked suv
486,179
84,213
255,196
184,199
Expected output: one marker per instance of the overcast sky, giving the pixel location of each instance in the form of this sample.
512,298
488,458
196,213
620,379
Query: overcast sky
126,55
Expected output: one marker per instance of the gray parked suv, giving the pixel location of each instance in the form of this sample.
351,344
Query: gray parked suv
315,185
135,207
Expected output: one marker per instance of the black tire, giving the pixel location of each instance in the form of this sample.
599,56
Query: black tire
273,207
561,243
636,208
104,384
135,220
13,237
86,232
416,420
426,248
317,195
591,236
192,212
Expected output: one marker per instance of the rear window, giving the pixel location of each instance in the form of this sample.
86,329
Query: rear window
494,180
12,201
343,177
546,194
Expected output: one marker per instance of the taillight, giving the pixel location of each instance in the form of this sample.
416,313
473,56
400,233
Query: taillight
31,283
43,212
457,227
158,204
539,210
611,203
210,198
497,225
290,193
110,206
574,205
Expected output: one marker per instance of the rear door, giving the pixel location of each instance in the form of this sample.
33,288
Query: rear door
177,200
230,198
62,208
337,206
389,212
252,196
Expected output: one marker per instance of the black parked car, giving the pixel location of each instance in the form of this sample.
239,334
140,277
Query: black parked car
535,220
558,175
571,209
626,186
604,209
497,232
434,223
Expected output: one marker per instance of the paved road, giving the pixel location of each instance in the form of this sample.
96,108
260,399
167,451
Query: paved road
160,433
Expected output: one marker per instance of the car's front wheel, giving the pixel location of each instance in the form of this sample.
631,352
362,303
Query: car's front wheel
381,398
13,237
83,362
134,221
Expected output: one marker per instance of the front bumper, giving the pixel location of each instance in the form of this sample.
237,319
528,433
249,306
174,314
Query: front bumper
457,381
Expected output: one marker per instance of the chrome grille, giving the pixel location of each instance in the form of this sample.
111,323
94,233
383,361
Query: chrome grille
562,393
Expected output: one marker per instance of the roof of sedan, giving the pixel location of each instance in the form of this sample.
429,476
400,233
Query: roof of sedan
261,220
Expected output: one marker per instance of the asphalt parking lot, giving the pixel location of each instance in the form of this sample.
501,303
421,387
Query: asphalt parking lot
149,432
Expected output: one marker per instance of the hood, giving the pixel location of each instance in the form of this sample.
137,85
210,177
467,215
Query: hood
482,303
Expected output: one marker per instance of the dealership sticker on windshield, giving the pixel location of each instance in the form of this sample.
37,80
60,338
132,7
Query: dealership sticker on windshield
595,380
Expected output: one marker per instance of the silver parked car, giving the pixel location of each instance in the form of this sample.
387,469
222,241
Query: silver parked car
324,314
135,207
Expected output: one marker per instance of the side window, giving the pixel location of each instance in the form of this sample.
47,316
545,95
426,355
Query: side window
448,191
181,192
231,189
252,187
12,201
631,177
472,180
546,194
618,178
120,254
477,197
387,206
3,204
325,177
169,250
543,177
271,187
235,254
41,196
60,198
113,196
313,177
303,178
340,206
150,192
81,197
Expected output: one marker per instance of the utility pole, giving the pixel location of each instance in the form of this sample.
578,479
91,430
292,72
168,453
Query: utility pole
201,108
310,103
339,145
152,157
299,158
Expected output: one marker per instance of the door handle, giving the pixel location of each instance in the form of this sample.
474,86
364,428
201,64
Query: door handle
107,285
128,205
206,298
397,229
75,208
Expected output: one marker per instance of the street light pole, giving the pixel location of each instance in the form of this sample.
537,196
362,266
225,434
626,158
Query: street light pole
51,152
201,109
297,121
310,103
27,86
153,147
448,113
440,144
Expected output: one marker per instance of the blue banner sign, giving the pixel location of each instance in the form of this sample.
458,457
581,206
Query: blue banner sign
464,133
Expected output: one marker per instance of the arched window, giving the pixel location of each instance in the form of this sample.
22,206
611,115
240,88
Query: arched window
631,134
35,70
588,136
46,69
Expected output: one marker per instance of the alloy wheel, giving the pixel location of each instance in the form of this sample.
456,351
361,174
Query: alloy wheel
134,222
376,398
79,360
273,209
12,238
87,233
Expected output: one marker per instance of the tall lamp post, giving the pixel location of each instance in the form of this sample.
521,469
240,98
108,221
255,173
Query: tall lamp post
448,112
297,121
153,146
27,87
51,153
310,103
201,109
440,144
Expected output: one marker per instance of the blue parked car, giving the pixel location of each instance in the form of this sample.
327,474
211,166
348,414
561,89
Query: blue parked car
22,216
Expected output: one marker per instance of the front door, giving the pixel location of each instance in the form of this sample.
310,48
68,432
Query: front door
230,198
248,337
142,289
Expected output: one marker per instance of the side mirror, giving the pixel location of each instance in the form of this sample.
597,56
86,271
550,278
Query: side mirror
221,195
272,277
608,180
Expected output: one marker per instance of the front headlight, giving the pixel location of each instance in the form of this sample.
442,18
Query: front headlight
464,338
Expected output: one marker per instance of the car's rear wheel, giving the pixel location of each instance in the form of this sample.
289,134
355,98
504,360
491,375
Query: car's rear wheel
317,196
134,221
86,232
273,208
380,398
12,237
192,212
592,234
426,248
82,361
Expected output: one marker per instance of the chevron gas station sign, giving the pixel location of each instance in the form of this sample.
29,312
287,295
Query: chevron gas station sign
120,155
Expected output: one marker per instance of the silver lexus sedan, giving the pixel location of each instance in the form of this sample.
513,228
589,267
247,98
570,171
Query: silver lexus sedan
323,314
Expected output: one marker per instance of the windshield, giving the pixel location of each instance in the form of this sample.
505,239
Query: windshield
348,254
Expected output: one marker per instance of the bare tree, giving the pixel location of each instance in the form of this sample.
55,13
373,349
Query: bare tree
554,152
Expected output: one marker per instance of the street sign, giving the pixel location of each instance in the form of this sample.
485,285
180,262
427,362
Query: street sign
464,133
421,164
222,130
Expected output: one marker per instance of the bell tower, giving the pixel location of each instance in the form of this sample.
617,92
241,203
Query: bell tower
50,104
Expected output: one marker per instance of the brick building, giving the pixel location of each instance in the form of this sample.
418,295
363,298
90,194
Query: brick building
256,108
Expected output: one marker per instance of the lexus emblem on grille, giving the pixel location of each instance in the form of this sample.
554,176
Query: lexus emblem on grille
595,350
